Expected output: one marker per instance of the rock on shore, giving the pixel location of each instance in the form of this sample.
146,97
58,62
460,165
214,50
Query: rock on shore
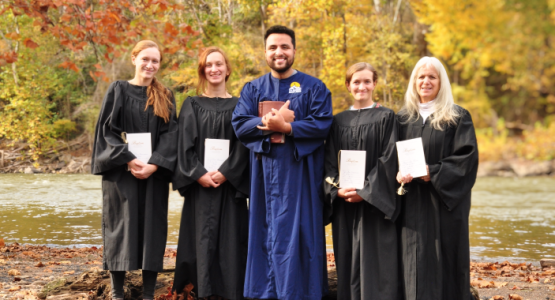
516,168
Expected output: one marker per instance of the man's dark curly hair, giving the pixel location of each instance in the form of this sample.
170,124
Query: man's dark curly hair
280,29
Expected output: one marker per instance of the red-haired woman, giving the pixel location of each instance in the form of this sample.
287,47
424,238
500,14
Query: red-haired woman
212,247
135,192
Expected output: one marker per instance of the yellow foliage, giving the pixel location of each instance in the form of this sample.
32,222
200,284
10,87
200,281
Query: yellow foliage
494,144
538,144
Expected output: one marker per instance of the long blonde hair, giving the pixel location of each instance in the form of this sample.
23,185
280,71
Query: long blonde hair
445,111
158,95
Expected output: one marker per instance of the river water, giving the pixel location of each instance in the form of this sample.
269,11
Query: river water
511,218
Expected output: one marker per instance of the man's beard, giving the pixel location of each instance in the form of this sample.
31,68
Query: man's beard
282,69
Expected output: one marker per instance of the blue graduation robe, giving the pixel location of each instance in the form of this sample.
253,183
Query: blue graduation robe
286,251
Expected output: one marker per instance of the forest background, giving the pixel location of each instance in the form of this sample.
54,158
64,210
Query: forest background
57,58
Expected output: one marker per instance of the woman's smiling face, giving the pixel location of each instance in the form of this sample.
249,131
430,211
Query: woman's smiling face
216,70
147,63
427,83
362,85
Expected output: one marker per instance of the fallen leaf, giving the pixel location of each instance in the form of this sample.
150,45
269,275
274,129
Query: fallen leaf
546,280
2,244
515,297
69,272
48,270
14,288
482,284
552,288
65,262
39,264
498,297
500,284
2,261
16,279
514,288
14,272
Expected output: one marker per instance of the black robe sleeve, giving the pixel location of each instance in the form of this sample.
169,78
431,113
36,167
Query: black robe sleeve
454,176
109,150
331,168
235,168
165,153
189,167
379,186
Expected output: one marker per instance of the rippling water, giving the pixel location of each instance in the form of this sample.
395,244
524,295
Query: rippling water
512,218
60,210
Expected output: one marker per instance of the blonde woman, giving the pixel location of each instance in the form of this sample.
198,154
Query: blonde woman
135,193
435,209
364,232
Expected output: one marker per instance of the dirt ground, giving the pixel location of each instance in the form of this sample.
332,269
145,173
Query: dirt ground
506,280
40,272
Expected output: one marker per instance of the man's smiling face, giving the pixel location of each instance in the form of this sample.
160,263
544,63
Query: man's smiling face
280,53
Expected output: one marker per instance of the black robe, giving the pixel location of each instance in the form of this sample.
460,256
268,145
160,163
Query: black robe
213,237
434,218
134,211
364,233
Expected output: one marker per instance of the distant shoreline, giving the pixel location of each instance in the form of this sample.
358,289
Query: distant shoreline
74,157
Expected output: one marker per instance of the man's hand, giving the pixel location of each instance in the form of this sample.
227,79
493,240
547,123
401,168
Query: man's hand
278,120
218,178
274,121
141,170
288,115
207,181
349,194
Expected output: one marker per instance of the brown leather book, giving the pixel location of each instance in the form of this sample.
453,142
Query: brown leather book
266,107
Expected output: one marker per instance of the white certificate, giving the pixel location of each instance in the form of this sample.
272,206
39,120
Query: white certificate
411,158
139,145
352,168
216,151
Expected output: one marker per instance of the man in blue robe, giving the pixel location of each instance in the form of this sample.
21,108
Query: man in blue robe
286,254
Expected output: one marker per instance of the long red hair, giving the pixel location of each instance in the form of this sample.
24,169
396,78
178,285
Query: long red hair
201,87
158,95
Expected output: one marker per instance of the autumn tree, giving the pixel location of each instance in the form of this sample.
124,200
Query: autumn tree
54,52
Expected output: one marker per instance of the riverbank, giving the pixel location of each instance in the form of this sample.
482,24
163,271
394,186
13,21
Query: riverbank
74,157
41,272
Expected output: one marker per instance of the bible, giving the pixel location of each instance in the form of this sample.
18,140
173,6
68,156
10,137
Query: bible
266,107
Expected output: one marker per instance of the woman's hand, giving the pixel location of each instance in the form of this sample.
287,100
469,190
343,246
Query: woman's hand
141,170
207,181
218,177
136,165
427,177
349,194
403,179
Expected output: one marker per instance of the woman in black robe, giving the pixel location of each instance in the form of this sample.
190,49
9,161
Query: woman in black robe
213,237
434,218
135,202
364,232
